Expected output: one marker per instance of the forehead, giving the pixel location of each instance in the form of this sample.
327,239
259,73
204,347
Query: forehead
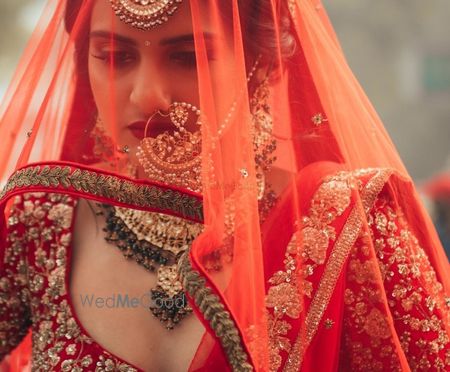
103,18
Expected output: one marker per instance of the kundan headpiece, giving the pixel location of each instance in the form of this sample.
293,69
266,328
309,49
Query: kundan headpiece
145,14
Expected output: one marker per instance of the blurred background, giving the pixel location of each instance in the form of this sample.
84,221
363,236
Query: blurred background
399,50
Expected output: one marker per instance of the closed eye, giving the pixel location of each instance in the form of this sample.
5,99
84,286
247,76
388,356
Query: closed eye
184,58
117,59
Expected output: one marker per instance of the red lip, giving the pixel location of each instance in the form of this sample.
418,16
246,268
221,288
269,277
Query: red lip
154,128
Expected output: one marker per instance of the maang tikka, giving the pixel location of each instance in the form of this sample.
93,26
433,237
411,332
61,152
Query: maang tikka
145,14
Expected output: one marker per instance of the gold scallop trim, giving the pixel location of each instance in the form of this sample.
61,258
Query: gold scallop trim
334,267
215,313
83,182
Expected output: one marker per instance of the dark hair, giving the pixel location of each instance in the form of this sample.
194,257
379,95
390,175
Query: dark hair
264,34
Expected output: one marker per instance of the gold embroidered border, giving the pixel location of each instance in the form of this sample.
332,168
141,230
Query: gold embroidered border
88,182
333,268
215,313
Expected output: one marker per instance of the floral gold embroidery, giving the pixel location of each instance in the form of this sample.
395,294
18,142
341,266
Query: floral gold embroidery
414,295
337,196
328,323
36,257
376,324
284,299
61,214
109,364
306,251
318,119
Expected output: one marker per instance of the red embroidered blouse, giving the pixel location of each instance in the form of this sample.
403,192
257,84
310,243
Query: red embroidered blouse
353,325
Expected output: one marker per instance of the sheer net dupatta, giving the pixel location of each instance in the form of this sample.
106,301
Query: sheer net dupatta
242,116
285,262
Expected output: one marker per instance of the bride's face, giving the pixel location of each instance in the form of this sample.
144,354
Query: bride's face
135,73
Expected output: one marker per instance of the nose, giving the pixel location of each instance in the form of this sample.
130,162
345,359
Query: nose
150,92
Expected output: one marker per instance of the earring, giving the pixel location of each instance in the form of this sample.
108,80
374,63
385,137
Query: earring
104,147
264,144
174,158
105,150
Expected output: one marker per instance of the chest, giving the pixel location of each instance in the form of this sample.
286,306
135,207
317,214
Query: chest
87,302
111,296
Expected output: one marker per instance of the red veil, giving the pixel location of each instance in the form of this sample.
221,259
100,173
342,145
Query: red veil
315,252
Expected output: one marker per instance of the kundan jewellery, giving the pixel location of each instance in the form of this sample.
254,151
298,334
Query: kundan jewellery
174,158
156,242
104,146
107,151
264,144
145,14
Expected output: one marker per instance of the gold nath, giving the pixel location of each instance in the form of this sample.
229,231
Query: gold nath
145,14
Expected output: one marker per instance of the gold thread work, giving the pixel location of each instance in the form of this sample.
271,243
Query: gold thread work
92,183
215,313
334,266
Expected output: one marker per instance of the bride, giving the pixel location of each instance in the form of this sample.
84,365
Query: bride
203,185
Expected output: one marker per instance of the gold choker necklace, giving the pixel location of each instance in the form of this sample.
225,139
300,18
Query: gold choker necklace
156,242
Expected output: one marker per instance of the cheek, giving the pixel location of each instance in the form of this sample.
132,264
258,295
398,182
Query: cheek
99,92
110,96
225,91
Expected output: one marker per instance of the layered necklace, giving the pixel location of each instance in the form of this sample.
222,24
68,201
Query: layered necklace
156,242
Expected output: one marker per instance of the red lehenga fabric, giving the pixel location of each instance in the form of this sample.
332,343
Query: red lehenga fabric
321,258
353,328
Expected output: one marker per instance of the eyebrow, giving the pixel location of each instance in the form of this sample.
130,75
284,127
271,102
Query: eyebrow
187,38
112,36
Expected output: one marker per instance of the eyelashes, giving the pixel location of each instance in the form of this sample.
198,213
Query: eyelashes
187,58
124,59
117,58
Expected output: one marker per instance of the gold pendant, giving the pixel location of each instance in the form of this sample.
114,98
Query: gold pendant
169,302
